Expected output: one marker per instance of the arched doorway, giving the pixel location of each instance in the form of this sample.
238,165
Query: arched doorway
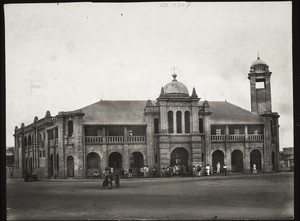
30,165
26,165
136,162
273,160
57,164
92,164
51,166
115,162
179,156
237,161
255,158
70,166
217,156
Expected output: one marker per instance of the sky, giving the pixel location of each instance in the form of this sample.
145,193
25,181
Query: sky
62,57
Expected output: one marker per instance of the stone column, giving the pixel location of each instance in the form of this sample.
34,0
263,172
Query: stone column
163,117
174,122
246,132
207,141
183,121
247,158
60,148
228,159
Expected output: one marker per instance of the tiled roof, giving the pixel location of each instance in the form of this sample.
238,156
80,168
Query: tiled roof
115,112
224,112
132,112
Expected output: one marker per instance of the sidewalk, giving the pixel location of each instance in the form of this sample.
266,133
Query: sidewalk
152,179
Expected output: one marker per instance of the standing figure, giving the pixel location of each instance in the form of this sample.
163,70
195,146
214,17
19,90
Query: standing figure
198,170
110,180
130,173
207,170
106,179
117,181
147,171
225,169
218,168
254,169
154,172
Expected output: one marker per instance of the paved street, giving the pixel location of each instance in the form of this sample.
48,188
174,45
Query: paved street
261,196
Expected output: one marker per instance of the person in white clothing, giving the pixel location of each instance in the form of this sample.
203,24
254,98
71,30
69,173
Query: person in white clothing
207,170
218,167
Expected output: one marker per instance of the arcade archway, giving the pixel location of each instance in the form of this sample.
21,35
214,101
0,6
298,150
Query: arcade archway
179,156
255,158
70,166
237,161
92,164
136,162
217,156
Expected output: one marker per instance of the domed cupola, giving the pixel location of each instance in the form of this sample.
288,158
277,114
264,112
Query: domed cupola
259,66
175,89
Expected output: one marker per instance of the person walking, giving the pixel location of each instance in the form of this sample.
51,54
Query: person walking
117,181
154,172
130,173
225,169
218,168
254,169
110,180
207,170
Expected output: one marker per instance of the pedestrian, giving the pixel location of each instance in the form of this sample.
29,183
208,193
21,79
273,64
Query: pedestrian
207,170
130,173
96,175
254,169
147,171
225,169
198,170
122,172
110,180
194,170
218,168
154,171
117,181
106,179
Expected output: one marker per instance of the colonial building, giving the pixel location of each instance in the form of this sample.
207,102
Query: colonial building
176,128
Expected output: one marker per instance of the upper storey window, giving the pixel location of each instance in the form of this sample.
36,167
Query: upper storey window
236,131
156,126
218,132
179,122
170,122
201,125
70,128
187,121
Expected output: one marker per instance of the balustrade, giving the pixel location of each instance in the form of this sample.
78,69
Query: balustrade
235,137
217,137
115,139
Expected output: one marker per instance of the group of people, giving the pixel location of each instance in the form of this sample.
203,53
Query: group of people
170,171
181,170
109,178
144,171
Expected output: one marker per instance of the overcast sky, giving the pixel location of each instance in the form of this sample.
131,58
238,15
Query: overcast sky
62,57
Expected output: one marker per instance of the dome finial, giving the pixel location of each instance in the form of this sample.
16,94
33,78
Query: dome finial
258,55
174,75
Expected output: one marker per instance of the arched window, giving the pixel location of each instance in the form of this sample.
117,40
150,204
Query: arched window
70,128
187,122
156,127
201,125
170,121
179,122
25,141
29,140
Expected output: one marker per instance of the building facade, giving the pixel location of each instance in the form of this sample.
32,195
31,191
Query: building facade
176,128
